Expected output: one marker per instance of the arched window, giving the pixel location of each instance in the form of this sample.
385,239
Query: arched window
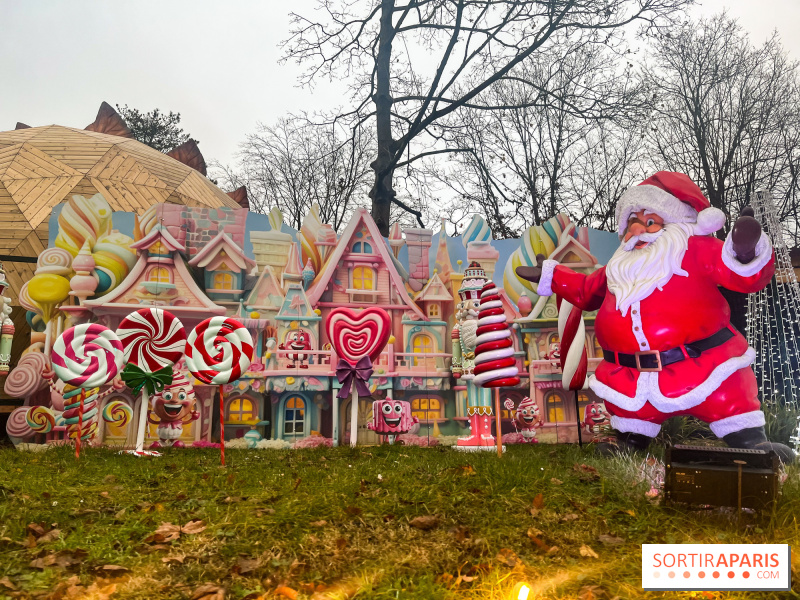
554,404
363,278
242,409
553,339
583,400
159,274
598,351
427,408
362,248
421,344
223,281
294,416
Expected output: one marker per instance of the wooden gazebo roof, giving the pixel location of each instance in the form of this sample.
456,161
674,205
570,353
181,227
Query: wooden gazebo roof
41,167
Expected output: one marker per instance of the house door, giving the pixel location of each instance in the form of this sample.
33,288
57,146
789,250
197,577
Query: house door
365,436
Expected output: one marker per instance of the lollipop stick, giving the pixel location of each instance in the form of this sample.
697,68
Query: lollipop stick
48,334
221,427
354,416
140,431
80,424
499,424
578,416
335,419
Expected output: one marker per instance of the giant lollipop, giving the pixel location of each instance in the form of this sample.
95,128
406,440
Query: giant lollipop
219,351
153,340
358,337
85,357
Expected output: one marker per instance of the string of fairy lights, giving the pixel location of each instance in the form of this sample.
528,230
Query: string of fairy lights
772,319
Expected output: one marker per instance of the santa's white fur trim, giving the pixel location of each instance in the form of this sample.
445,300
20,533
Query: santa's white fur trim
653,200
736,423
709,220
647,388
763,254
624,425
546,280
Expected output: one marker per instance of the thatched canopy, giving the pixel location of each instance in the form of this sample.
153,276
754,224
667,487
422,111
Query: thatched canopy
41,167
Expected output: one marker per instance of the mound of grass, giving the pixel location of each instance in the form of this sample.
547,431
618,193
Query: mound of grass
382,522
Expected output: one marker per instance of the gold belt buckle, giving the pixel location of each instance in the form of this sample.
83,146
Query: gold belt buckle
656,369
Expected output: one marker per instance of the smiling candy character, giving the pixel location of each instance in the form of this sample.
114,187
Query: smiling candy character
174,407
391,417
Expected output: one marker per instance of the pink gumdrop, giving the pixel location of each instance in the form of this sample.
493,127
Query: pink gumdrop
525,305
391,417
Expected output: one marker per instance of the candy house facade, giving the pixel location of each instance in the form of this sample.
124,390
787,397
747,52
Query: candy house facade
281,285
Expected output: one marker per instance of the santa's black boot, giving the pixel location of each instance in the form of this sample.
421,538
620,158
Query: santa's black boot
754,438
625,441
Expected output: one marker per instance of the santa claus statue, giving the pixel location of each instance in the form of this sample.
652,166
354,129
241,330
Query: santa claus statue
669,348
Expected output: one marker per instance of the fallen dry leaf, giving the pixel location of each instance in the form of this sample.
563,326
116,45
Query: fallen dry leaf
166,532
538,501
114,570
50,536
588,552
586,472
6,583
535,536
610,540
507,557
63,559
245,565
320,523
570,517
553,550
425,522
209,591
177,559
193,527
35,530
341,544
461,533
286,592
555,481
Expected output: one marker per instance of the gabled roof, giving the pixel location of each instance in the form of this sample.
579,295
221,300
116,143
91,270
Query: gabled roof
435,290
362,215
296,305
267,292
208,256
159,233
568,244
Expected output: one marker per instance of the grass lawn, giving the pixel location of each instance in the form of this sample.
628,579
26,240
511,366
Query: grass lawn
377,522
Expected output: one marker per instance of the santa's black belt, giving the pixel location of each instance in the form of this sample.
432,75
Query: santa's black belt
653,361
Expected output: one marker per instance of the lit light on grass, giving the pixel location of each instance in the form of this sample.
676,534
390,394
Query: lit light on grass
521,592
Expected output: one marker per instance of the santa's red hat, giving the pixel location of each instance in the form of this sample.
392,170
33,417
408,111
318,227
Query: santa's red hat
673,197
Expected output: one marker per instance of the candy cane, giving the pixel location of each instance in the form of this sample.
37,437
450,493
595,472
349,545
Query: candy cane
574,360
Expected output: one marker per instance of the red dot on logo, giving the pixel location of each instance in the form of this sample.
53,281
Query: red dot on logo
746,574
715,574
701,574
731,574
671,574
686,574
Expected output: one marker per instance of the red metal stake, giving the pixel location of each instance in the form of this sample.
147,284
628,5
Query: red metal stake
221,427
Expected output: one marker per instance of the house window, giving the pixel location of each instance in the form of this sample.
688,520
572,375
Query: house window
553,339
363,278
554,404
223,281
433,311
158,274
427,408
242,409
294,416
362,248
598,350
422,344
158,248
583,400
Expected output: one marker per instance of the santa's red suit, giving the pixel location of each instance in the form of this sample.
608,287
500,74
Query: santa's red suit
713,381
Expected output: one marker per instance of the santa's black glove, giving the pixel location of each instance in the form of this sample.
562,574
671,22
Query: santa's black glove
745,235
533,274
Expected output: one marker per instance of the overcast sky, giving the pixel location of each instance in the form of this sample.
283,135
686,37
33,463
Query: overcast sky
214,62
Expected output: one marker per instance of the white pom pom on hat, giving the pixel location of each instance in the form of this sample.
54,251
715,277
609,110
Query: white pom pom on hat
675,198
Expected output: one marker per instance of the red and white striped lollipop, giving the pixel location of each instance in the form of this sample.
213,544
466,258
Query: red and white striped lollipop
573,357
219,350
87,356
152,338
495,365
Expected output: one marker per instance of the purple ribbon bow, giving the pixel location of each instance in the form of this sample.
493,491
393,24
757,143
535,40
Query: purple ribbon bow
347,373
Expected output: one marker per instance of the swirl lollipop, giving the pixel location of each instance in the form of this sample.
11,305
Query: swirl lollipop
219,351
86,356
153,340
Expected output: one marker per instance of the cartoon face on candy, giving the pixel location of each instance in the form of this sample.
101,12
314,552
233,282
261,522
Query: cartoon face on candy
527,414
299,343
595,418
174,407
391,417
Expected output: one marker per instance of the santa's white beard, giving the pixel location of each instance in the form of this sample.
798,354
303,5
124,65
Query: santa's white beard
634,274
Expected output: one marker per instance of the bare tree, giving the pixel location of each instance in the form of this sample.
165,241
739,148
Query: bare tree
296,163
411,63
726,113
519,164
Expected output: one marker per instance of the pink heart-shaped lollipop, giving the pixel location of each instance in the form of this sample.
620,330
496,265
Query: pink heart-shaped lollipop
355,334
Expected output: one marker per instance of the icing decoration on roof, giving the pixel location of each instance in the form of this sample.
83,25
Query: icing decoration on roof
476,231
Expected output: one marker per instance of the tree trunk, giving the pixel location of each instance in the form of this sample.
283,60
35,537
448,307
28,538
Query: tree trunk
382,192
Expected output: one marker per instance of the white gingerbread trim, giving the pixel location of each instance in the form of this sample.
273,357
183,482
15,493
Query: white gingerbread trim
736,423
546,280
647,388
763,255
653,200
625,425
